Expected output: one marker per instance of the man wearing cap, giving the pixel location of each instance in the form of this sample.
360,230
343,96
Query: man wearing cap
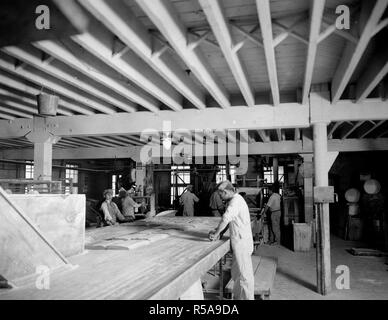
112,214
128,205
188,199
238,218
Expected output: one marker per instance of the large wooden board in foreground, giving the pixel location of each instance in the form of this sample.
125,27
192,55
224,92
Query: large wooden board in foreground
23,246
164,269
60,217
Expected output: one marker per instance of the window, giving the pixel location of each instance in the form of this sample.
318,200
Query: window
180,178
71,175
269,177
221,174
29,174
115,179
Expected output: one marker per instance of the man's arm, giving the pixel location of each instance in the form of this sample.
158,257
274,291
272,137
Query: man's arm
104,208
215,234
118,213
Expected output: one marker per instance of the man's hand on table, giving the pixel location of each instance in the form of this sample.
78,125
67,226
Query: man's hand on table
213,235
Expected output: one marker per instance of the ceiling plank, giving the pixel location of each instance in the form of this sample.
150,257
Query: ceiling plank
220,28
316,13
164,16
119,19
353,52
264,13
56,87
72,79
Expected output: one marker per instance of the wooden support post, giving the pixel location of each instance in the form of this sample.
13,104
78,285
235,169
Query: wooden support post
322,217
308,187
275,164
43,148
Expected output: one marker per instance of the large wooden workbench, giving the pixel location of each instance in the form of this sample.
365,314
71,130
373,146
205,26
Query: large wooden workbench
163,269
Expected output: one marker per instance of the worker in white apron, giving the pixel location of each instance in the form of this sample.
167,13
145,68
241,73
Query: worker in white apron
238,218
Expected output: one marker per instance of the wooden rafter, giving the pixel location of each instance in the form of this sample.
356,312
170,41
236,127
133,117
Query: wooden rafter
353,52
264,14
263,135
163,15
317,9
22,87
119,19
30,58
56,87
220,28
352,129
378,124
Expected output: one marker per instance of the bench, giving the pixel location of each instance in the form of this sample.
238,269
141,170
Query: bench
264,273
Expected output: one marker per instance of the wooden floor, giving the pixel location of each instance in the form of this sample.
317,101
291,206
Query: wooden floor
163,269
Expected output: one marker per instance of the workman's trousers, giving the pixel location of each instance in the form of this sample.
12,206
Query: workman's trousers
242,271
274,226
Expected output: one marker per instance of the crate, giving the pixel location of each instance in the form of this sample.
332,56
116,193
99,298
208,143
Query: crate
302,236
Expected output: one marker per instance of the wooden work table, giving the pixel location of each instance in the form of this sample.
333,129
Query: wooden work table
163,269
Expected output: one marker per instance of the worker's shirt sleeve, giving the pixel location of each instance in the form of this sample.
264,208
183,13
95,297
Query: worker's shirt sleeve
231,211
133,203
104,208
195,198
271,201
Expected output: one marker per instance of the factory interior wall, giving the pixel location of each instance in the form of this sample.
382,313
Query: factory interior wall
345,174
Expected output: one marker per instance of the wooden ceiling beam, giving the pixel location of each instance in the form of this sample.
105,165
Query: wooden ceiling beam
166,19
264,14
316,13
25,89
119,19
60,52
220,27
353,52
56,87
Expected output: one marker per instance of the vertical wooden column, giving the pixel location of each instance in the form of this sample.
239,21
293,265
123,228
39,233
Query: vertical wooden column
308,187
43,148
322,219
275,165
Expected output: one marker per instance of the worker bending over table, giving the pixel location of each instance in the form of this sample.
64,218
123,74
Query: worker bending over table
241,240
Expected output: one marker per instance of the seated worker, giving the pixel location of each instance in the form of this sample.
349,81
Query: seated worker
112,214
128,205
